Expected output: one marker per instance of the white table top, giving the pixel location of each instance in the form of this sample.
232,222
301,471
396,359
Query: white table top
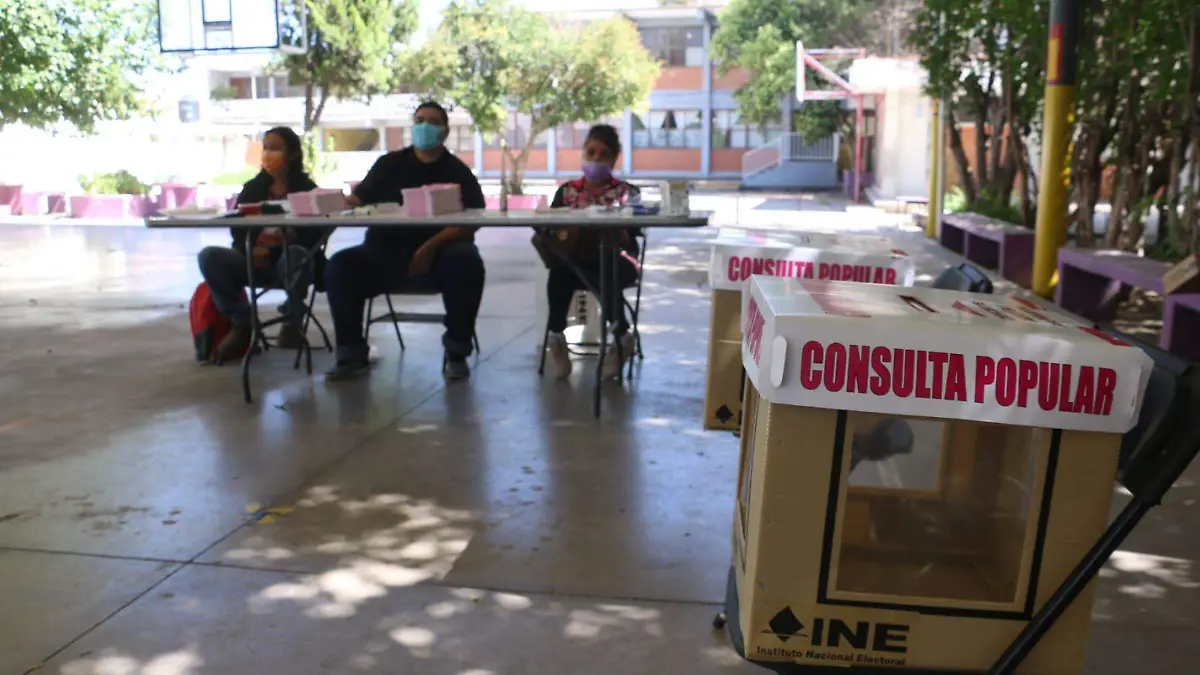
469,218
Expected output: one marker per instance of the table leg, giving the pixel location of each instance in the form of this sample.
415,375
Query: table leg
603,328
254,331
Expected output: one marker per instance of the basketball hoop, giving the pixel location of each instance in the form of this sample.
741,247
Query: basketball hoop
842,90
223,26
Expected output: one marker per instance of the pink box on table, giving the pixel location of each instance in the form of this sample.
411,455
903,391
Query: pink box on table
317,202
433,200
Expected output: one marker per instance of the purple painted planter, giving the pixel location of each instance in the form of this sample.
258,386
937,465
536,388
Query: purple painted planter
176,195
992,243
10,199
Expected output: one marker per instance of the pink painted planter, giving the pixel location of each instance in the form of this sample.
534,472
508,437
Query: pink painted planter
10,199
141,206
176,195
39,203
518,202
110,206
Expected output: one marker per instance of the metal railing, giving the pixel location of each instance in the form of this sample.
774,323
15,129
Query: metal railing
788,148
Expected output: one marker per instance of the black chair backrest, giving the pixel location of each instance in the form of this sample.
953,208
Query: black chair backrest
1167,435
965,277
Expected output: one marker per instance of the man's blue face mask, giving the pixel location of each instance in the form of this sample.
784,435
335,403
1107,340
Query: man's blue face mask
427,136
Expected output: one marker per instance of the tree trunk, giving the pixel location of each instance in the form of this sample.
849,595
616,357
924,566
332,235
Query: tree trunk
960,158
981,159
309,106
998,154
516,168
1088,175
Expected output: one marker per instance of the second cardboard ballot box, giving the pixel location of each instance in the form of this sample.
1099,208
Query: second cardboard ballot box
737,254
920,470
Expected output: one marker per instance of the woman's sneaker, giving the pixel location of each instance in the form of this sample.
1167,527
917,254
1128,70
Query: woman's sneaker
612,367
560,356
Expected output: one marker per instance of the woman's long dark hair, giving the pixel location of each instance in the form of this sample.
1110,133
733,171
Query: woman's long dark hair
294,149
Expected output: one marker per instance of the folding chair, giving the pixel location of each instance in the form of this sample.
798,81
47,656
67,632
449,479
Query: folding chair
309,259
259,339
634,311
396,318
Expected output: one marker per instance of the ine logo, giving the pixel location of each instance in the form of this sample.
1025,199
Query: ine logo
785,625
877,637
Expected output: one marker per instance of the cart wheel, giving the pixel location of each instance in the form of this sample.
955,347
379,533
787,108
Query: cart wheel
719,620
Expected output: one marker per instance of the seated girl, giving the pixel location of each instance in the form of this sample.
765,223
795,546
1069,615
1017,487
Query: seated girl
224,268
597,186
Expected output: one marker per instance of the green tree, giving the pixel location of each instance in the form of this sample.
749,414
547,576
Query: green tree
494,60
988,60
760,36
352,48
78,61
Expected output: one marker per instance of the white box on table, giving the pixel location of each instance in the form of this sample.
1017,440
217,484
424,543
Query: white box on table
433,200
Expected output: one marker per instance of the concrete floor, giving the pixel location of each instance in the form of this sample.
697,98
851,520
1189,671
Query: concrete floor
484,528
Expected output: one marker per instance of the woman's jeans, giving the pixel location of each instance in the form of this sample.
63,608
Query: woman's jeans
224,270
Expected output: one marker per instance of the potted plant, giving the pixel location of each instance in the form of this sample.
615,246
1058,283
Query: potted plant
111,195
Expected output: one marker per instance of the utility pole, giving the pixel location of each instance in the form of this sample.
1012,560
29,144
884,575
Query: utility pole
1062,66
937,169
937,160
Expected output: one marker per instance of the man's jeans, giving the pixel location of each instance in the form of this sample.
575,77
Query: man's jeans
355,274
224,269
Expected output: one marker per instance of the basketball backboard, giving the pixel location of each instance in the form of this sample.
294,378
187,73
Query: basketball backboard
195,26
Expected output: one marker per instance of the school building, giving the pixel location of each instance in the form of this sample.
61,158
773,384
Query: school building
690,128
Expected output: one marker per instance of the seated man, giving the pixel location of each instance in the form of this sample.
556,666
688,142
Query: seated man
445,257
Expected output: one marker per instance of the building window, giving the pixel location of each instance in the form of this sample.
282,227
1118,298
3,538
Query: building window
285,89
675,46
668,129
241,87
575,135
516,132
730,132
352,140
461,138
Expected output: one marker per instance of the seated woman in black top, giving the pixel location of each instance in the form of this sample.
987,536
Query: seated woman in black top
224,269
596,187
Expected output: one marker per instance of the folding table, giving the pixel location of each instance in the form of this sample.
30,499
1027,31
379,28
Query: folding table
609,224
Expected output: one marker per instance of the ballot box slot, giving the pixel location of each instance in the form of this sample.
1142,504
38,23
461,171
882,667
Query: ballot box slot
936,516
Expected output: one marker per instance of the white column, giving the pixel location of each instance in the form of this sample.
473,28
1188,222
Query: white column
478,152
552,151
706,113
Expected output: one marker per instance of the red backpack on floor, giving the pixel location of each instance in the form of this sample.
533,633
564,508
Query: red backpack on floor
209,326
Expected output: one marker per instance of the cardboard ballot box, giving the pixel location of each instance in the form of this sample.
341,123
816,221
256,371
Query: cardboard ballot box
738,254
920,470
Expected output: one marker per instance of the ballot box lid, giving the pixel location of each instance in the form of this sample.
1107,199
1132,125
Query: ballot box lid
739,253
926,352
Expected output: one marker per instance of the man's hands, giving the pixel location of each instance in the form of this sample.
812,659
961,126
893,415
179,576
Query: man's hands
422,260
262,256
